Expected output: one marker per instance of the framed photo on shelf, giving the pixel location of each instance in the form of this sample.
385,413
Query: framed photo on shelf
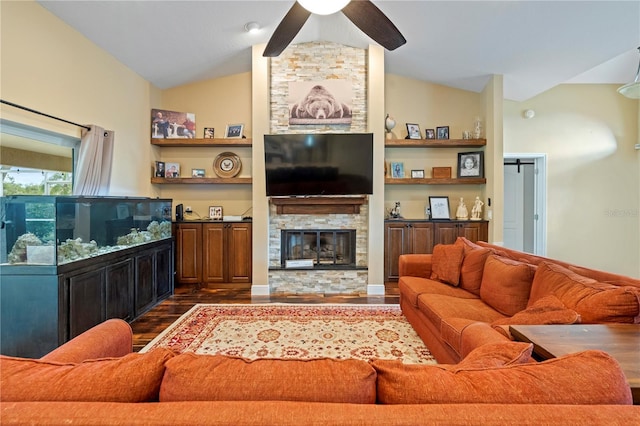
215,212
397,170
471,164
160,168
442,132
417,174
439,207
430,134
414,131
208,132
172,170
197,173
234,131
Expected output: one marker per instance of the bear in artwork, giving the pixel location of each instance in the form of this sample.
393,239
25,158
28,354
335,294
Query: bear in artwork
320,104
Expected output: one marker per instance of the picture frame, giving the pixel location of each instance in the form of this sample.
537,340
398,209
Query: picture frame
209,132
172,170
439,206
197,173
413,131
397,170
471,164
430,134
167,124
234,131
442,132
215,212
160,168
417,174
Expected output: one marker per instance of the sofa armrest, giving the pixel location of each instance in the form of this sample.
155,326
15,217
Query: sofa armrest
478,334
110,339
415,265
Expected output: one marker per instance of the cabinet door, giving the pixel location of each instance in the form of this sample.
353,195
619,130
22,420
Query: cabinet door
86,301
474,231
119,293
445,233
396,242
213,253
144,282
239,252
421,235
164,268
188,253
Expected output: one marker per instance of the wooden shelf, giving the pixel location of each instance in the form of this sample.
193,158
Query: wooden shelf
202,142
318,205
435,143
195,181
431,181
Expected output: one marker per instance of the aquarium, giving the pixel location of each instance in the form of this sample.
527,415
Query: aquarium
56,230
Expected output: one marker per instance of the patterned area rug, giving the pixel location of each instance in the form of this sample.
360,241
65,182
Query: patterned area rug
297,332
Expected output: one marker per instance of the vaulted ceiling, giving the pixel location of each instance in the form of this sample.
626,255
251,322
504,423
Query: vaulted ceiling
535,45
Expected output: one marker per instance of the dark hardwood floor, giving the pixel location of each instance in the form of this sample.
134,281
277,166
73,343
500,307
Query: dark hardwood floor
149,325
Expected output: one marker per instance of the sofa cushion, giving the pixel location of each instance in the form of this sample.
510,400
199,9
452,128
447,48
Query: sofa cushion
191,377
132,378
547,310
496,355
589,377
451,329
436,307
472,265
596,302
412,287
506,284
446,262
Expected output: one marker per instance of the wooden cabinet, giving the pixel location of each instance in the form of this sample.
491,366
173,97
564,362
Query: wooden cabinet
448,232
213,253
420,236
402,237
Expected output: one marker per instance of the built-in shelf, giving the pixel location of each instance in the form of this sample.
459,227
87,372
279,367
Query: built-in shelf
431,181
203,142
318,205
435,143
193,181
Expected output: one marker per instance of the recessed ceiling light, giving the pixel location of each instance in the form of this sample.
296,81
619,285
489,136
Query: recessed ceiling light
252,27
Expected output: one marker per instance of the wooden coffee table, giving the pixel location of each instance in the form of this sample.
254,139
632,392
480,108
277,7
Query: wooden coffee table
621,341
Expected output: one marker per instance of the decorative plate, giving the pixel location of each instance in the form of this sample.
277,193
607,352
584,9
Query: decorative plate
227,165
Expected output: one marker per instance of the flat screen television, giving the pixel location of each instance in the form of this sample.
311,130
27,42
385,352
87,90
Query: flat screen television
319,164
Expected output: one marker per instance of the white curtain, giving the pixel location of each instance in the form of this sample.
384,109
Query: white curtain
93,172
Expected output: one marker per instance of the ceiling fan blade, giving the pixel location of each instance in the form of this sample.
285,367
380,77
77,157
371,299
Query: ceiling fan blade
366,16
287,30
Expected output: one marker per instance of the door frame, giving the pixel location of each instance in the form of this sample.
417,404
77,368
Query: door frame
539,198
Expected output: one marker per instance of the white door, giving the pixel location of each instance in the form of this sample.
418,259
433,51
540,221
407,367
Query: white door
513,208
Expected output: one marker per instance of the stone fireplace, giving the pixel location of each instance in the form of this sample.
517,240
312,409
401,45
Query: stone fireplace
322,248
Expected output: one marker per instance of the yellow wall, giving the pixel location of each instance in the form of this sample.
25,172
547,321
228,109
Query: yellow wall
50,67
593,190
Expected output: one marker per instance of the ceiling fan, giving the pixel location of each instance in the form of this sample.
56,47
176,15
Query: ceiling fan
364,14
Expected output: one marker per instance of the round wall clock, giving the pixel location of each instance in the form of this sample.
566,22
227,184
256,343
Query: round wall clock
227,165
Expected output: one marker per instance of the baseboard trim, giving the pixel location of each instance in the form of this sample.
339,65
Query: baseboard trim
375,289
260,290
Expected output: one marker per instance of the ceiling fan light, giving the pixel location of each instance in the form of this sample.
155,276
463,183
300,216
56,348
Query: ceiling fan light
632,90
323,7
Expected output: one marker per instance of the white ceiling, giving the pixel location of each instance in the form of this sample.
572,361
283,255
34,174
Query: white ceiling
535,45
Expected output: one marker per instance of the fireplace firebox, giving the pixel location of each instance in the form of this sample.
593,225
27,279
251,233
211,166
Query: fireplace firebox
328,248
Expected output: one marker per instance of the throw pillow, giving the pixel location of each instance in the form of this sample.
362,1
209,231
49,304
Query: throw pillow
445,263
191,377
506,284
596,302
132,378
588,377
496,355
472,266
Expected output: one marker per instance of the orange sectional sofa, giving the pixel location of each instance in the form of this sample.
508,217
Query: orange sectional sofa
94,379
466,294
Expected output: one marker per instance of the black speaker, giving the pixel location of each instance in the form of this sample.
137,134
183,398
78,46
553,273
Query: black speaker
179,212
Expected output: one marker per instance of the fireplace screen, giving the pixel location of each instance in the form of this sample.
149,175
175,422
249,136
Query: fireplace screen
325,247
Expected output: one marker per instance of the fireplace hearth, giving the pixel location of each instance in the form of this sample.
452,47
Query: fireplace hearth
327,248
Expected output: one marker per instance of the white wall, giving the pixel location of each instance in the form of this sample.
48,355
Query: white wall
588,133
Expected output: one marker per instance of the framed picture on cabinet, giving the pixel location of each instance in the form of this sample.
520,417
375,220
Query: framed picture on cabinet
234,131
215,212
413,131
442,132
397,170
439,207
430,134
417,174
471,164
